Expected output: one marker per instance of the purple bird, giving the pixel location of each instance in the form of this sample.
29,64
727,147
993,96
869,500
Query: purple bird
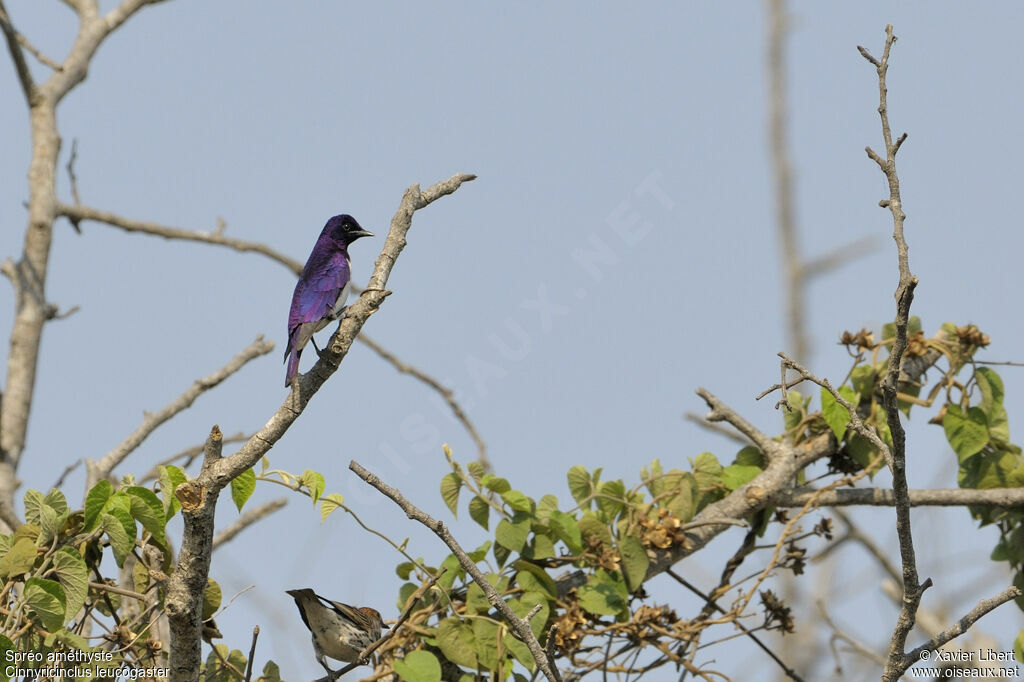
323,287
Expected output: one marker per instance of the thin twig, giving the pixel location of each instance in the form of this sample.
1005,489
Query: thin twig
856,422
858,646
720,412
247,519
519,626
79,213
102,468
960,627
117,590
28,86
710,601
912,589
252,653
700,421
446,393
67,470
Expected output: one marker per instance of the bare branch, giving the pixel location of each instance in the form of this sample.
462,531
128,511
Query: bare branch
722,412
858,646
835,259
14,45
247,519
102,468
957,629
74,180
1008,498
700,421
792,269
519,626
445,392
78,213
856,422
912,589
252,653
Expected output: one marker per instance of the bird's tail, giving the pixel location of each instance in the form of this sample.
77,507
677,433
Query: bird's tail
293,367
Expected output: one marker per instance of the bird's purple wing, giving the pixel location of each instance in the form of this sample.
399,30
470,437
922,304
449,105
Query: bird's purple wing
318,295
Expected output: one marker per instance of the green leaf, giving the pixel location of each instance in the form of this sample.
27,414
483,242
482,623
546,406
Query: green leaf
314,483
330,503
95,501
496,483
49,524
524,604
1018,646
579,484
532,577
512,535
19,558
476,470
547,504
676,489
750,456
480,553
486,634
56,499
540,547
476,602
74,578
115,524
147,510
170,478
863,380
457,642
612,498
591,527
451,485
243,486
735,475
837,416
991,386
518,501
967,433
479,511
271,673
796,412
46,598
418,666
635,561
519,650
211,598
567,530
605,593
33,506
501,553
707,470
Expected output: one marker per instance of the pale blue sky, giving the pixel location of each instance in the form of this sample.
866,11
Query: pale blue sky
277,117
